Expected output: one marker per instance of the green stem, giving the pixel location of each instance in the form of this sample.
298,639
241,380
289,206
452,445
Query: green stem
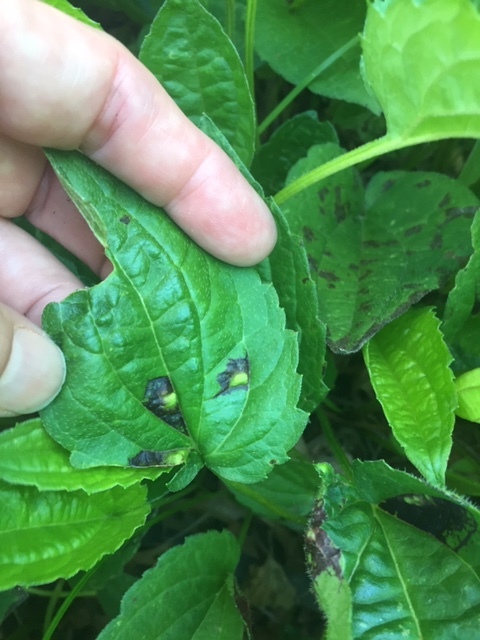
230,21
372,149
249,43
44,593
242,536
290,97
54,598
67,602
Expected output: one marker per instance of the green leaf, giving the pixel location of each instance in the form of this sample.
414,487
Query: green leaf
398,551
189,53
29,456
295,42
287,494
81,529
468,389
290,142
422,61
465,296
290,274
154,352
408,364
10,600
374,254
189,594
78,14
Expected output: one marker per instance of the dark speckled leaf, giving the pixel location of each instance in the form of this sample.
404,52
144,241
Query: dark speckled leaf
374,254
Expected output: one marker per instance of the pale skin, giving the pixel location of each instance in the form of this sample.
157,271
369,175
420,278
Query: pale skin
65,85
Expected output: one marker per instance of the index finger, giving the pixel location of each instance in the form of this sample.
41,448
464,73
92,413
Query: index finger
65,85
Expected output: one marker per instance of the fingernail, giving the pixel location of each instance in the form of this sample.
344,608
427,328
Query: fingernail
33,376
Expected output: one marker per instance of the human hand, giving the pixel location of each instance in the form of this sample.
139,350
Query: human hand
65,85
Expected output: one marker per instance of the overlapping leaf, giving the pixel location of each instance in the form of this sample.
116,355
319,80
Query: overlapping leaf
295,40
29,456
422,61
390,553
189,53
189,594
409,367
175,351
374,254
55,534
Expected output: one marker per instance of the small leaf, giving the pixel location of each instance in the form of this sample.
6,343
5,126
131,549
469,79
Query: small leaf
290,142
168,312
190,55
422,61
374,254
81,530
468,389
294,42
397,551
408,364
29,456
287,494
190,593
465,296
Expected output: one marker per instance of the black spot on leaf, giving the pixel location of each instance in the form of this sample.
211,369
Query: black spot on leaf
235,376
372,243
323,193
161,399
448,522
125,219
459,212
150,459
353,267
308,234
423,184
339,211
387,185
436,242
322,555
329,276
447,198
413,230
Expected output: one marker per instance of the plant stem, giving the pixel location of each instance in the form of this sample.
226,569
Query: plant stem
230,21
333,443
249,43
309,78
372,149
67,602
242,536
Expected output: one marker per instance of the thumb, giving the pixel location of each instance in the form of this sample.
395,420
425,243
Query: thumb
32,367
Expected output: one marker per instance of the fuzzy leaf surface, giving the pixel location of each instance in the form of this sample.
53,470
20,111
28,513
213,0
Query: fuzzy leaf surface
409,367
192,57
188,594
374,253
439,97
397,549
29,456
173,324
81,529
295,41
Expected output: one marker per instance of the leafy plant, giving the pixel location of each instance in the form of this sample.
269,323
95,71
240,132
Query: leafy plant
194,436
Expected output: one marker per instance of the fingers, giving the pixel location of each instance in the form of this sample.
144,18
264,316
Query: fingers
87,91
32,368
30,277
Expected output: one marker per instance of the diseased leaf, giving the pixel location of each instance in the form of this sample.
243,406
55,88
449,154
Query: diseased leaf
154,352
408,364
465,296
190,55
188,594
290,142
29,456
294,41
438,97
398,550
373,255
81,529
